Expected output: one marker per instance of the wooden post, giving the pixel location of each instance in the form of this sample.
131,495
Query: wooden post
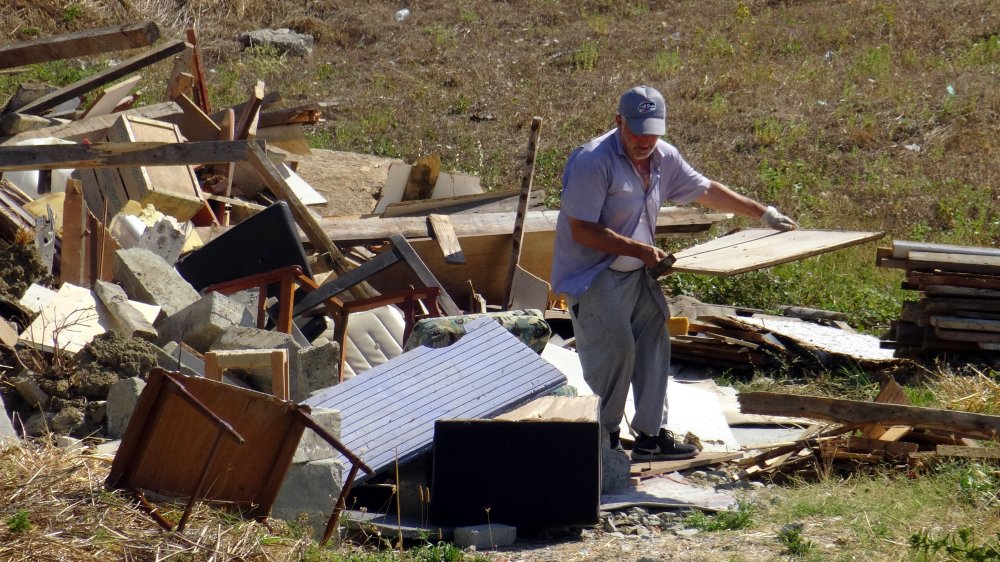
522,206
71,259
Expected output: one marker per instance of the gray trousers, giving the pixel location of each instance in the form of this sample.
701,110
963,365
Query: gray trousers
622,340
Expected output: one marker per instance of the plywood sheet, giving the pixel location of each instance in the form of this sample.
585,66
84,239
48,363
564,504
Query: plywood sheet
389,412
748,250
825,338
71,318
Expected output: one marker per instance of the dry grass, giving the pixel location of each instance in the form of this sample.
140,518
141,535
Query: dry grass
55,507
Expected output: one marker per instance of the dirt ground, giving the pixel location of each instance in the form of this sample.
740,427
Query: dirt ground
350,182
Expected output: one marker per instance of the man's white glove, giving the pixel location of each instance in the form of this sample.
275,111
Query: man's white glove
773,219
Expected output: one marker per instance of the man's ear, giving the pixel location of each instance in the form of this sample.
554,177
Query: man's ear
618,120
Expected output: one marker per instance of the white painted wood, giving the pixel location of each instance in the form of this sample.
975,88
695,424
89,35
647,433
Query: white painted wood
748,250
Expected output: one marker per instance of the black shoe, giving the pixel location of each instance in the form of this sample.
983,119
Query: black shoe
615,441
661,447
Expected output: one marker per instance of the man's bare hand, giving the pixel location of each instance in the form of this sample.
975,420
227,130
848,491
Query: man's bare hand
652,256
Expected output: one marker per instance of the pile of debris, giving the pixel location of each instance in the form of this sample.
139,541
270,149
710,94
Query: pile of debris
887,430
959,304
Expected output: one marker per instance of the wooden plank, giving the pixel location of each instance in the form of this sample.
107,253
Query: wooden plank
403,249
944,306
246,123
649,469
529,291
890,393
111,97
748,250
856,412
445,235
522,207
969,324
290,138
81,87
892,448
423,176
448,205
79,44
968,452
368,230
307,114
198,71
961,292
120,154
195,125
389,413
925,279
967,336
71,258
964,263
94,128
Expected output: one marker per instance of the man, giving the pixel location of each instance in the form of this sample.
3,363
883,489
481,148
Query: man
613,187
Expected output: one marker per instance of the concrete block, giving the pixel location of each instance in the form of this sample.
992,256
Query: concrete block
7,433
173,357
313,368
147,278
312,447
202,322
485,536
242,337
311,488
122,398
31,392
166,239
615,468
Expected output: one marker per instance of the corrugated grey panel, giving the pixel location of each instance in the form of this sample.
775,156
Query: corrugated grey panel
388,412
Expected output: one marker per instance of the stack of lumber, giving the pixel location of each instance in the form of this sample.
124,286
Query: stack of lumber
888,429
959,305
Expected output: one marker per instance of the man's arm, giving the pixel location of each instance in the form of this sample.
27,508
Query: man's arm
603,239
721,198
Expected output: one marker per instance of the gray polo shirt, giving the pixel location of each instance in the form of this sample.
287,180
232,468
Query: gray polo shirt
600,185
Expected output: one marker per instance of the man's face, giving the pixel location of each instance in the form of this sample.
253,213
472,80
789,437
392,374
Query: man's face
637,147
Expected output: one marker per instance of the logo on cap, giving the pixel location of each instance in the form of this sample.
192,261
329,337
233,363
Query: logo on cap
647,106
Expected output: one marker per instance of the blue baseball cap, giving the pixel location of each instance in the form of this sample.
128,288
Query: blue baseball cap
644,111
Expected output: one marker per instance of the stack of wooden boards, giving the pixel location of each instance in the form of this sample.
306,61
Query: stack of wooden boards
889,429
959,304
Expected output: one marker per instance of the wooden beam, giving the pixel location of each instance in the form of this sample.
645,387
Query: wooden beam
79,44
246,124
856,412
321,242
85,85
71,255
198,71
522,207
423,177
356,231
308,114
94,128
444,233
117,154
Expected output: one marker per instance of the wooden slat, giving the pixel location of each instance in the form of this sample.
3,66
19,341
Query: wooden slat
654,468
85,85
857,412
71,256
389,412
364,230
195,125
423,176
445,235
522,207
969,324
79,44
755,249
965,263
120,154
901,249
968,452
94,128
111,97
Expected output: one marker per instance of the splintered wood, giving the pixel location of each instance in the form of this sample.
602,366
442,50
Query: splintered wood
958,309
888,430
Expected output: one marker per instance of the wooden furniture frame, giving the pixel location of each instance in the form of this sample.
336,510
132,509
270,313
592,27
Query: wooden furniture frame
277,359
204,440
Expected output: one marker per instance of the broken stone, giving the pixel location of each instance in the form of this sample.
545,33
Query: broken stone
485,536
312,447
202,322
283,40
122,398
312,369
147,278
615,468
309,488
31,392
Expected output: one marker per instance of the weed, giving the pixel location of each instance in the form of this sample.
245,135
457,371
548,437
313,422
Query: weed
461,106
790,537
667,63
585,58
19,522
958,545
72,12
442,37
740,518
